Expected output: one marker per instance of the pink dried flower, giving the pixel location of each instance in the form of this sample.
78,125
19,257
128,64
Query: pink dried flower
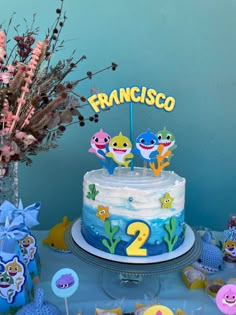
37,101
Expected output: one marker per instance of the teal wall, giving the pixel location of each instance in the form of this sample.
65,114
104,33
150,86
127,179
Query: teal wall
184,48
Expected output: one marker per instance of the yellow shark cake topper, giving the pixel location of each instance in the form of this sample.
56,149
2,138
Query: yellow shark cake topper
143,95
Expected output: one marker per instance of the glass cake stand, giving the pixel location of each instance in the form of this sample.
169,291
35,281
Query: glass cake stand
133,277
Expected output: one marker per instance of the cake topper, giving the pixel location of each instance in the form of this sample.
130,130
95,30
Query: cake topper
99,143
146,146
167,139
120,148
158,160
102,101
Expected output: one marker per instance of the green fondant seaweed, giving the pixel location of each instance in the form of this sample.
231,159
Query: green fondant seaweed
92,193
110,243
171,239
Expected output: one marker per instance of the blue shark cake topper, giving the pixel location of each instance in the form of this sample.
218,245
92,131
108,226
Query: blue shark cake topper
146,146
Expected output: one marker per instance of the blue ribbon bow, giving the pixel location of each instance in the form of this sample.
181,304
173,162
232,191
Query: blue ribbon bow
28,214
15,230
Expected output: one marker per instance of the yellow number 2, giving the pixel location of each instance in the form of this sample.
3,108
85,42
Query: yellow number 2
135,248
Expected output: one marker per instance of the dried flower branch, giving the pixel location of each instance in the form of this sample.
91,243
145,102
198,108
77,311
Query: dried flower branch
37,101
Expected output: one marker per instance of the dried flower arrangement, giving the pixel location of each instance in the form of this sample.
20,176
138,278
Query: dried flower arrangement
37,101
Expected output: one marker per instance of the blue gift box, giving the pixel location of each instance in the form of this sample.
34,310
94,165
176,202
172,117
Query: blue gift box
16,285
29,250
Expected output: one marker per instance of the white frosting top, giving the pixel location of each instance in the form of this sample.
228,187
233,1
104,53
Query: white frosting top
139,178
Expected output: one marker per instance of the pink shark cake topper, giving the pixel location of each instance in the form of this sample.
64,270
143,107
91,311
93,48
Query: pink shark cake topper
99,143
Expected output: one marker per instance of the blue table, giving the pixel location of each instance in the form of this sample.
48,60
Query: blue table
90,294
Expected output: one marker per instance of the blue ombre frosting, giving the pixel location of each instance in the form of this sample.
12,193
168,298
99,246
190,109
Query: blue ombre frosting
133,196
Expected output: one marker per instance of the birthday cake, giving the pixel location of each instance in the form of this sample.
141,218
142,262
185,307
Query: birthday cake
133,211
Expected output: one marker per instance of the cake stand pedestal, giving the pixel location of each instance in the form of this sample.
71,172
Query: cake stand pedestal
133,278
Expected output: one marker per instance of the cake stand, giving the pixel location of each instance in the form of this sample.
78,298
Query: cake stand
133,277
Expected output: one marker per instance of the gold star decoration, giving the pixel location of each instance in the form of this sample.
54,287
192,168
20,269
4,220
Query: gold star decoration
166,202
102,213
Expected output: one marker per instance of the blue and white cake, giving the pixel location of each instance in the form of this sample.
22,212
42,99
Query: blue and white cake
133,212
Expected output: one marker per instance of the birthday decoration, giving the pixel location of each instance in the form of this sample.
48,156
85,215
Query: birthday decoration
99,143
166,201
28,216
56,236
229,246
102,101
211,258
29,213
102,213
226,299
120,148
118,151
167,139
64,284
146,146
15,281
92,193
158,310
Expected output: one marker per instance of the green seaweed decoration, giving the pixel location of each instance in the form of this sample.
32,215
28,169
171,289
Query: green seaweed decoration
171,239
92,193
111,245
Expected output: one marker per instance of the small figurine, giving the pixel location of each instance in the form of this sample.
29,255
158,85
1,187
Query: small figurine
55,238
211,258
39,306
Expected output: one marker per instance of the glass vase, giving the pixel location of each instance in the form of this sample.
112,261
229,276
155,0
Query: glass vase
9,182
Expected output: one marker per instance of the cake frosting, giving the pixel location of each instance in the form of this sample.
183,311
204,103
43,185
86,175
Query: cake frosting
133,212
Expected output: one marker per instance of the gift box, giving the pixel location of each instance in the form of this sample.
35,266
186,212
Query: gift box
29,251
28,244
16,285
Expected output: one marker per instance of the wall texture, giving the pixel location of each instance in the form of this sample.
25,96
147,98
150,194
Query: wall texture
183,48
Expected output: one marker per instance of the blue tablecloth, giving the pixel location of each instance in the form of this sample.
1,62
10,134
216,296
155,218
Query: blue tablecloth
90,294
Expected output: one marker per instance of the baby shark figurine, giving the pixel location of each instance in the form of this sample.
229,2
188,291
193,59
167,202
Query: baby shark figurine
55,239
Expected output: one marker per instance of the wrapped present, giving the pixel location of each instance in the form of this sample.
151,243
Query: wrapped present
28,244
16,286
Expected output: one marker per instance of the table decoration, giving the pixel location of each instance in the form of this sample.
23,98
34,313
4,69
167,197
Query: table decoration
16,286
64,283
226,299
28,244
39,306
